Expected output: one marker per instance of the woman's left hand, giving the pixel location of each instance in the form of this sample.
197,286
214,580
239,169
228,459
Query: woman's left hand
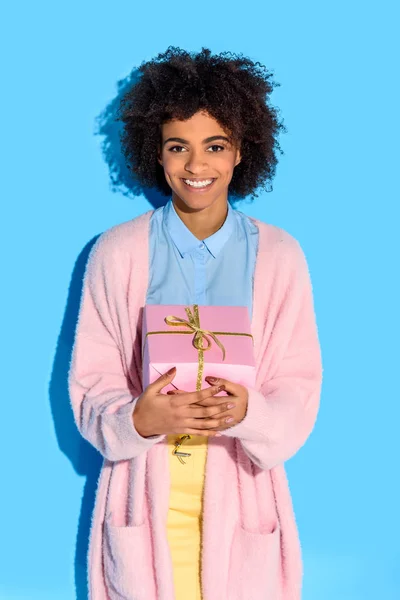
237,393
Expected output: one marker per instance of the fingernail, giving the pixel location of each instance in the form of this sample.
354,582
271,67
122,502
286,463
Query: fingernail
228,406
211,379
218,434
220,388
229,420
171,392
171,371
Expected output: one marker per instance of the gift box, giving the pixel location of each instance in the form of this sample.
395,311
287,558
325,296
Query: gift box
198,341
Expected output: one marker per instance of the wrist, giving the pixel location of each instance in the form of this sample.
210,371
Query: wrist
139,425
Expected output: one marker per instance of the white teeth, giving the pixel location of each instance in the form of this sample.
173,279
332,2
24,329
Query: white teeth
198,183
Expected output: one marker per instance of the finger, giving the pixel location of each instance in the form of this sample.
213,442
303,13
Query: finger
214,400
205,412
194,397
230,387
211,423
162,381
204,432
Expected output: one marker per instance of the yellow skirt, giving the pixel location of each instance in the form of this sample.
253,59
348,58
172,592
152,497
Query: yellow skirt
185,515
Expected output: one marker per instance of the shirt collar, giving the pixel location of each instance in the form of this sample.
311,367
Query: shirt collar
186,241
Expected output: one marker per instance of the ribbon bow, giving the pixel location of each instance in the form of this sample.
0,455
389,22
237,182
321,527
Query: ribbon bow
200,335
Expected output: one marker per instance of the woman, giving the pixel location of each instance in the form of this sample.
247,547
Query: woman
221,525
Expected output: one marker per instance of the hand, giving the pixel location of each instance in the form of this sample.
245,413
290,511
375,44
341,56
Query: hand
235,408
156,413
238,395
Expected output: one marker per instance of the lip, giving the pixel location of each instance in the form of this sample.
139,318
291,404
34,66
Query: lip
199,190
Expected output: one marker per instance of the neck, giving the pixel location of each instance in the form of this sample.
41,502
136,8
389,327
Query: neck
204,222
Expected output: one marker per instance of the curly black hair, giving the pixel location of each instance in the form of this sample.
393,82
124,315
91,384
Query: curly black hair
231,88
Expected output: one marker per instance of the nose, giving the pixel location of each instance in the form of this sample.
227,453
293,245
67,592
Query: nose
195,163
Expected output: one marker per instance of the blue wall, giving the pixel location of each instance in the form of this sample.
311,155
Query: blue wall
335,191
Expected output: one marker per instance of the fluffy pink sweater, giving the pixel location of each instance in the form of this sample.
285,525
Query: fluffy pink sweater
251,548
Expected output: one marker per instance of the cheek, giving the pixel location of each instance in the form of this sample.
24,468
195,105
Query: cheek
170,164
225,166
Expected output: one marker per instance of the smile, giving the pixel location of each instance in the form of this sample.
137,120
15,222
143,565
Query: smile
198,185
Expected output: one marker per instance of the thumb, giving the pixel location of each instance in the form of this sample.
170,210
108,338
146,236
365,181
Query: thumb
162,381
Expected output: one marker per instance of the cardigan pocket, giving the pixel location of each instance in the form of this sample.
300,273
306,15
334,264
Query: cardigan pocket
255,565
128,566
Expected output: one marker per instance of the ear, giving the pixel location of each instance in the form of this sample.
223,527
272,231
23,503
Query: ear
238,157
159,155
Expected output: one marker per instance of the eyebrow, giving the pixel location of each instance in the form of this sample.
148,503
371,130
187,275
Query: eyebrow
206,141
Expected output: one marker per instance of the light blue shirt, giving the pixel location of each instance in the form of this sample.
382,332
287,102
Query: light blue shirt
217,271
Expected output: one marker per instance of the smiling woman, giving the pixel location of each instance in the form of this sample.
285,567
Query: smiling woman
221,525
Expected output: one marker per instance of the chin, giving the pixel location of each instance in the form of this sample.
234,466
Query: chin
197,201
194,203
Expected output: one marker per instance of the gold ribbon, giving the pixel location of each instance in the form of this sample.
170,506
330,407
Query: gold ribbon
200,336
194,325
178,443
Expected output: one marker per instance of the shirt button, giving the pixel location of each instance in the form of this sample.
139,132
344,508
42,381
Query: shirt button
201,246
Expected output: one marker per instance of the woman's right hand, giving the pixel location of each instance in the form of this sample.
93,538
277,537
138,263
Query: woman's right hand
156,413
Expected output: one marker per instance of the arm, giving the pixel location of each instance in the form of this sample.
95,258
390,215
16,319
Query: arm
102,395
282,413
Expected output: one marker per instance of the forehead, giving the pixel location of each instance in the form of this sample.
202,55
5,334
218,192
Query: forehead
200,124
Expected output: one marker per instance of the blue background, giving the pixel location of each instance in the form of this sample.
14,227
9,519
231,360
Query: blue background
335,190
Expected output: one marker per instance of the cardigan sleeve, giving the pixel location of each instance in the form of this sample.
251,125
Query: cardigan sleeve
282,413
101,391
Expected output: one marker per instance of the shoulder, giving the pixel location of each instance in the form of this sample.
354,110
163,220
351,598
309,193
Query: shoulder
122,239
271,237
278,246
272,234
273,241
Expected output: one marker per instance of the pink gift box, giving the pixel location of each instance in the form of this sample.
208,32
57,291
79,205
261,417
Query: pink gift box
162,351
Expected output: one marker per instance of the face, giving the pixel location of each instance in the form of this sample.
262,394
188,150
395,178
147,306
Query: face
197,150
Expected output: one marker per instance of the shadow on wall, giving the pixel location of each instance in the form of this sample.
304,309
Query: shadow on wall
122,180
85,459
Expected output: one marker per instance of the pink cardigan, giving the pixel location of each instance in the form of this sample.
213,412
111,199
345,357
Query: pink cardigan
251,548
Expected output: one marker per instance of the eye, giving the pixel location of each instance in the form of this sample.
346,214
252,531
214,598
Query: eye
173,147
217,146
